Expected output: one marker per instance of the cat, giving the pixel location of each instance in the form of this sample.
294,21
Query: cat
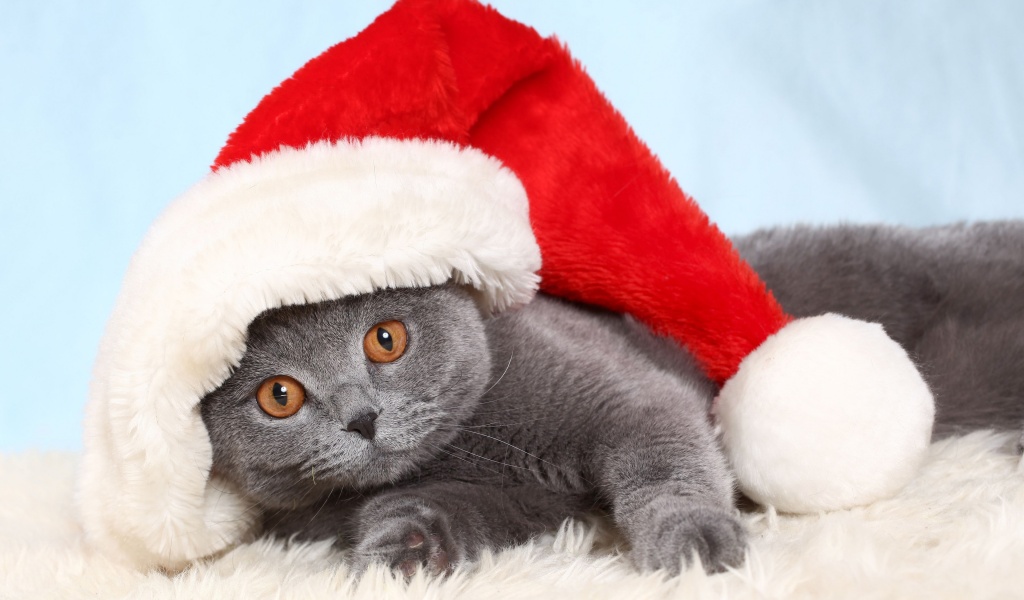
414,431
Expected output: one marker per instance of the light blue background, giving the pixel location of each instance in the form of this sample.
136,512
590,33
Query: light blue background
768,112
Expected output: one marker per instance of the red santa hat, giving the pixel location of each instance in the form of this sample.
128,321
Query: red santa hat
447,142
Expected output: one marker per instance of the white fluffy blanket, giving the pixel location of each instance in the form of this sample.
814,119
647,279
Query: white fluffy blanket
956,532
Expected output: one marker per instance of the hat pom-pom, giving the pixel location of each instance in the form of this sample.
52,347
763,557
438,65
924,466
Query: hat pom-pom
826,414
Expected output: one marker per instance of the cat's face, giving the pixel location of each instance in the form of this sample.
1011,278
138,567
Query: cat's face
370,405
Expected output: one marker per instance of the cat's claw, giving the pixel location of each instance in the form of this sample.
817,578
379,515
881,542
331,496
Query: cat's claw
672,534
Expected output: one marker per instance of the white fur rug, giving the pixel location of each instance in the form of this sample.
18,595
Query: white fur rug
955,532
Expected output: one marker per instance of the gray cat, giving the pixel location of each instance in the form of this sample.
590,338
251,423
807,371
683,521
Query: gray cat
414,431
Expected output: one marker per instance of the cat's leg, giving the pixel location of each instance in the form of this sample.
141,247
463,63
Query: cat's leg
669,488
438,525
624,415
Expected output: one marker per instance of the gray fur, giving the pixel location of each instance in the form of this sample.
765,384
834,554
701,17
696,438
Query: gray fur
952,296
493,431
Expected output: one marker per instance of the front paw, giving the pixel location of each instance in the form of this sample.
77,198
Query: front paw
668,531
411,535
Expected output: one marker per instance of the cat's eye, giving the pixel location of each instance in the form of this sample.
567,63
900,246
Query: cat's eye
280,396
385,342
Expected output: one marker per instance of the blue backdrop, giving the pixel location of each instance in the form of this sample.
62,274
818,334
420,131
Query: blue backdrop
767,112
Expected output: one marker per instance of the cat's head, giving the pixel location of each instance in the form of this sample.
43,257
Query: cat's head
351,393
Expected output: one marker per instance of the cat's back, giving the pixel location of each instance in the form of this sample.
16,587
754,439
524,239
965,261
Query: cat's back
948,259
905,278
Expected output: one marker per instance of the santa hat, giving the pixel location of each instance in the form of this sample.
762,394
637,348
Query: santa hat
446,142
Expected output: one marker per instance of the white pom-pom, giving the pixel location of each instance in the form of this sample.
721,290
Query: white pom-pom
826,414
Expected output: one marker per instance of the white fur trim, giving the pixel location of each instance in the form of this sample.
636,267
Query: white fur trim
294,226
828,413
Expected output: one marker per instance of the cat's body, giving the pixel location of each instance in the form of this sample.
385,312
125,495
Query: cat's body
489,431
555,409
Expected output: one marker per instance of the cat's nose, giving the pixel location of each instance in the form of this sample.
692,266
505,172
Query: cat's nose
363,425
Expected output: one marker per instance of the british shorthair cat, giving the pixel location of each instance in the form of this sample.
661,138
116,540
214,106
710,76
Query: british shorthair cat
417,432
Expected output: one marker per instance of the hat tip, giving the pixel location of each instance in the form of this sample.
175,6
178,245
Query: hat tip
826,414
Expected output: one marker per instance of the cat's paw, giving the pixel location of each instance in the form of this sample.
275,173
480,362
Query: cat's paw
668,531
409,536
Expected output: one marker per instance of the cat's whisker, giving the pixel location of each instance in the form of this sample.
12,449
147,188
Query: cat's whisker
327,499
534,456
504,464
464,459
498,424
471,461
492,401
503,373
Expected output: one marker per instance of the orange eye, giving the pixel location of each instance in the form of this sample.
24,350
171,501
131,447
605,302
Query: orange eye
280,396
385,342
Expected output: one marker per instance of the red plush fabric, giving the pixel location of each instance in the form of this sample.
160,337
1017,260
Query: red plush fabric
424,69
614,228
